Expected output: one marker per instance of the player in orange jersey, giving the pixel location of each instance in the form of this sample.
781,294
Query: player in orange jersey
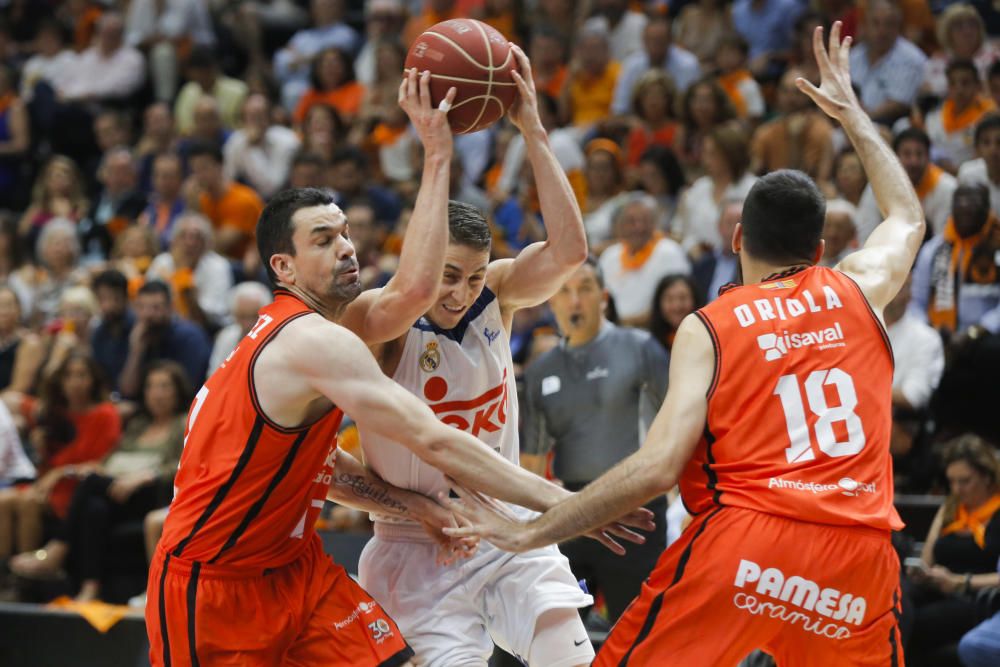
776,425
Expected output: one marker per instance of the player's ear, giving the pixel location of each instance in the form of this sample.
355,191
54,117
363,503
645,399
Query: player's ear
284,269
737,238
820,249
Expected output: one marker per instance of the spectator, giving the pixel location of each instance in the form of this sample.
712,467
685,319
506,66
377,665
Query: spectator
704,106
985,169
118,205
660,175
70,331
160,334
840,231
675,297
434,12
332,81
260,153
980,647
58,252
384,20
658,52
110,337
327,30
257,26
348,175
244,300
380,105
199,277
323,131
21,350
15,138
109,70
201,69
726,157
700,27
935,187
960,553
166,203
82,16
956,283
952,126
742,89
57,193
623,24
232,208
71,425
849,179
307,171
641,257
604,174
51,60
766,25
158,137
547,50
653,123
586,399
961,35
164,30
800,137
887,68
587,95
719,266
15,468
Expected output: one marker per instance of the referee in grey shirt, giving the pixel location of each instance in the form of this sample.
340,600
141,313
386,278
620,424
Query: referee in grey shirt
588,403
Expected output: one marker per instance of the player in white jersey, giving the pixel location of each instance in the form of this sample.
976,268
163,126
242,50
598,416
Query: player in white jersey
457,359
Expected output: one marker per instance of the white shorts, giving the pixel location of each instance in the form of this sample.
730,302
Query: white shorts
452,615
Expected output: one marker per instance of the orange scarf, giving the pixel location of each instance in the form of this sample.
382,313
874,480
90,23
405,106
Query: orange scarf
386,135
6,101
929,181
942,311
632,261
953,122
974,522
731,84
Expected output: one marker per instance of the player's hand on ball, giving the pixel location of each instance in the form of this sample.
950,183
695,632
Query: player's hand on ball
835,96
524,112
430,123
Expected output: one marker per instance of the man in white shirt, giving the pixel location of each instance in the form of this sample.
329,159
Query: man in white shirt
245,300
634,265
985,169
260,153
625,26
107,70
658,51
51,60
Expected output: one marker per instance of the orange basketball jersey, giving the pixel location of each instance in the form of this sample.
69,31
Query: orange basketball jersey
248,491
799,411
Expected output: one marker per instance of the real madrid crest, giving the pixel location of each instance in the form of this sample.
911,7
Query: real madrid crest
431,358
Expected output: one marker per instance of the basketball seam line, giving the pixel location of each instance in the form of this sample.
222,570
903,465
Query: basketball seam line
464,80
489,82
458,47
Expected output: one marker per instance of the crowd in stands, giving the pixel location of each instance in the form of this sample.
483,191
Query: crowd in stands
140,140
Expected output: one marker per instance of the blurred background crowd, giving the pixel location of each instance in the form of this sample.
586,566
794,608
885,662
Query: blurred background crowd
139,141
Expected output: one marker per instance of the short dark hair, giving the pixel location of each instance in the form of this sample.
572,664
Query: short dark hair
349,154
155,287
467,226
658,325
783,217
275,228
962,65
592,262
307,157
113,279
201,57
990,121
911,134
201,148
345,60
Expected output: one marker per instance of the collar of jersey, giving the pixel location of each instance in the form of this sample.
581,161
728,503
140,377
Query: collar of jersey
457,333
774,276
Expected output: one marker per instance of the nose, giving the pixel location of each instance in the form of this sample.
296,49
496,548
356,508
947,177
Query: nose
345,248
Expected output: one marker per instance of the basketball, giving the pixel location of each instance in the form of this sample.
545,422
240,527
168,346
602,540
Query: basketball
477,61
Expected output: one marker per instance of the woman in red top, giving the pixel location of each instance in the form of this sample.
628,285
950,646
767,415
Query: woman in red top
72,426
654,124
333,83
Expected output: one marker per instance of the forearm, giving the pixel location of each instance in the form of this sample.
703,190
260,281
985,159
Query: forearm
980,581
422,257
128,381
356,486
567,238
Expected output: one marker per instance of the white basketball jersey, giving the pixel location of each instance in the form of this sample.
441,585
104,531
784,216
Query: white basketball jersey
466,376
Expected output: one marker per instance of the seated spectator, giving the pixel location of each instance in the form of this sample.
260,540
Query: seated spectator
132,254
82,17
323,131
260,152
703,107
840,232
623,23
110,338
434,12
956,281
985,169
70,332
659,174
700,27
198,276
58,193
604,176
107,71
726,157
158,137
384,20
327,30
116,207
735,78
245,301
205,79
586,97
51,60
658,53
332,81
15,138
960,554
952,126
164,31
58,251
547,51
719,266
308,171
134,479
71,425
653,119
675,297
382,90
21,350
15,468
166,203
849,178
642,256
886,67
961,35
980,646
800,137
159,333
349,176
935,187
231,207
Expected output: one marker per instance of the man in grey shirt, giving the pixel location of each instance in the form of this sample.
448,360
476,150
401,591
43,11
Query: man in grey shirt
589,401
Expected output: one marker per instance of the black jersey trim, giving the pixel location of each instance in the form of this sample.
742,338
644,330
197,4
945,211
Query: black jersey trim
162,608
878,322
400,658
220,495
717,348
457,333
192,598
256,508
713,477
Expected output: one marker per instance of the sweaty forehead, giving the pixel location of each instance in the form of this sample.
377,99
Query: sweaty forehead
306,219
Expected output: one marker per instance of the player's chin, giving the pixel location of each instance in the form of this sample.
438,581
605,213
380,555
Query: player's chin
346,290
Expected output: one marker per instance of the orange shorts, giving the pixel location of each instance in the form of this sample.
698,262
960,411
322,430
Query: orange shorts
739,580
309,612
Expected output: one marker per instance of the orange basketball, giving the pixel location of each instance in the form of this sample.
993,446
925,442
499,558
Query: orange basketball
476,60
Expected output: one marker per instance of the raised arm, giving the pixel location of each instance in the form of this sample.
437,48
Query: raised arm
881,267
385,314
538,271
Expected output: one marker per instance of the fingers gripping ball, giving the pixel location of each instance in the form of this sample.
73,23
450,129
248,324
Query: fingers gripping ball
475,59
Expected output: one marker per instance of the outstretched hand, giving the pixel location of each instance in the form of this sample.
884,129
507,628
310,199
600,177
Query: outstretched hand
430,123
524,111
835,96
